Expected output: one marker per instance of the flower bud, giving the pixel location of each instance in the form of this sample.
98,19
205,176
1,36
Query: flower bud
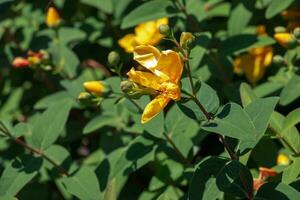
296,33
53,17
97,88
85,98
187,40
113,58
278,61
283,159
280,29
286,40
131,89
20,62
165,30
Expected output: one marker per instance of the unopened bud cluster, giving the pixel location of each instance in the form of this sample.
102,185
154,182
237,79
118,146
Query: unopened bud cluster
95,92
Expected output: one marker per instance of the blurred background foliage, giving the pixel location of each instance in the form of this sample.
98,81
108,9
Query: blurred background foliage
103,151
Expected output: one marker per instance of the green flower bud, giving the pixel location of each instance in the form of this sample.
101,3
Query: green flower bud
280,29
296,33
293,43
135,91
85,98
187,40
165,30
113,58
278,60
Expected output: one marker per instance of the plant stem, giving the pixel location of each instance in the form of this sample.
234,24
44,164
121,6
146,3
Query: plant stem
33,150
178,152
284,141
230,152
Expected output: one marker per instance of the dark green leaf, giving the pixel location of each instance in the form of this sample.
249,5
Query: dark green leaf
148,11
18,173
233,122
277,6
203,185
277,191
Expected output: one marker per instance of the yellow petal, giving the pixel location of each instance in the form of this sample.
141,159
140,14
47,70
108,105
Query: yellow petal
95,87
170,64
283,38
53,18
144,32
170,90
147,56
148,33
146,79
128,43
154,107
268,56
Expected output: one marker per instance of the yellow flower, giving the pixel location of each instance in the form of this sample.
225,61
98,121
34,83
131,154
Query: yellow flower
145,34
283,159
163,76
95,87
52,18
283,38
254,63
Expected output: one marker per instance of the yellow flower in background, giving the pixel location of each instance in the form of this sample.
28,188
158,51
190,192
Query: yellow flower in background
145,34
282,159
163,75
53,17
254,63
283,38
95,87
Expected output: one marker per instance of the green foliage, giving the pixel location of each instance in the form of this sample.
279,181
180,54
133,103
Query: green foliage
232,113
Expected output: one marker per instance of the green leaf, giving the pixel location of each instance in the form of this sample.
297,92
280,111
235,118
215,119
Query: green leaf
18,173
290,138
101,121
203,184
50,124
104,5
21,129
277,6
59,155
292,119
277,191
155,126
52,99
206,95
64,59
235,179
230,45
200,49
233,122
83,184
247,94
139,152
239,18
12,104
291,91
148,11
181,129
67,35
7,198
260,111
291,173
120,7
